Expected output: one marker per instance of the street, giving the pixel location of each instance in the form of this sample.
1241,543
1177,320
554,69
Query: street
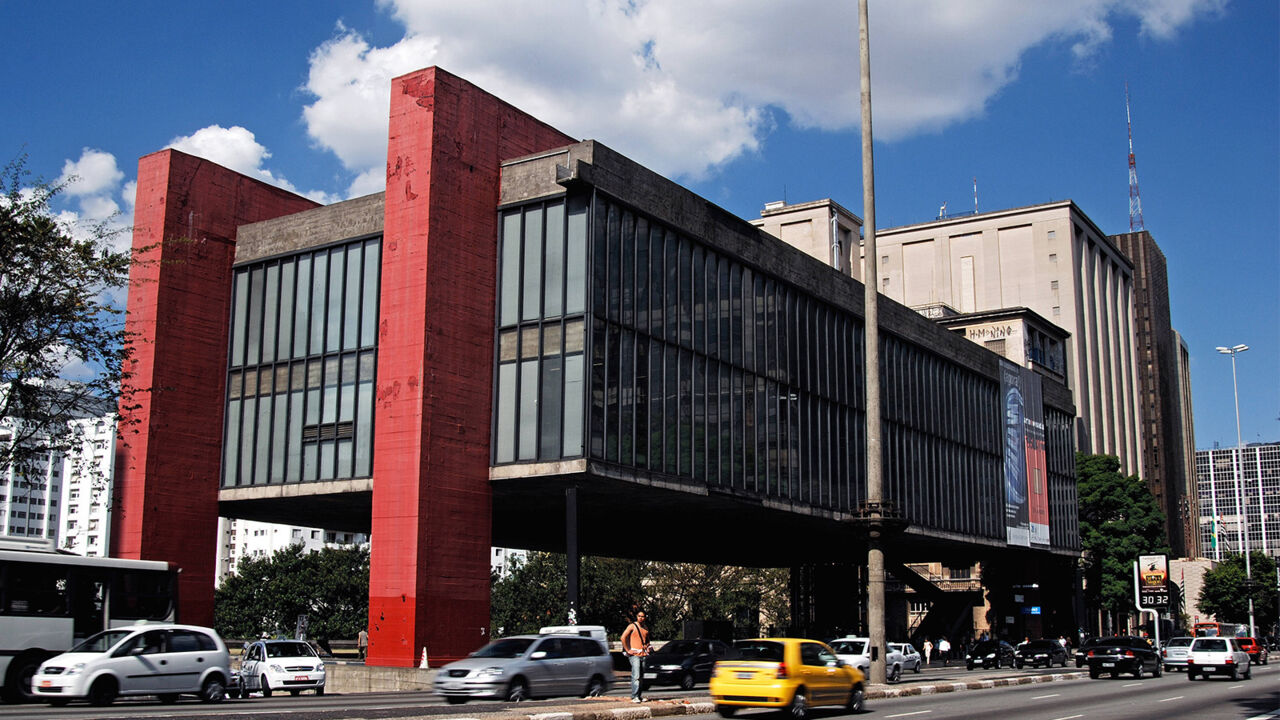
1071,697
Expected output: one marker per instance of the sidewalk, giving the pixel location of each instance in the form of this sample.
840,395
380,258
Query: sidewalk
620,708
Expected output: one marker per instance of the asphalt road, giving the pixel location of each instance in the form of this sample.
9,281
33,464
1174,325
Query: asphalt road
1166,698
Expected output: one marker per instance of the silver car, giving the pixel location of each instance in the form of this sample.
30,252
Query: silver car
1175,652
526,666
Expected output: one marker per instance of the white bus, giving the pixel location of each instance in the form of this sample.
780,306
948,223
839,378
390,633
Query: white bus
50,600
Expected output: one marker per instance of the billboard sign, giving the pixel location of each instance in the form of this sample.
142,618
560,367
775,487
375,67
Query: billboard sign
1153,581
1026,500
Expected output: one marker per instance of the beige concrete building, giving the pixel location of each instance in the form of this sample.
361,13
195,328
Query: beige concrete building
822,229
1050,258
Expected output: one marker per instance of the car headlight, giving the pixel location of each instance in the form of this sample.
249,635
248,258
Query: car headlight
276,669
990,655
320,667
490,672
75,669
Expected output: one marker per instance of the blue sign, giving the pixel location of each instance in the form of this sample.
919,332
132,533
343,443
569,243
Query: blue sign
1031,610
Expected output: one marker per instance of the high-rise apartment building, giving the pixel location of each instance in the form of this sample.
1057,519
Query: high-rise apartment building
1239,492
240,540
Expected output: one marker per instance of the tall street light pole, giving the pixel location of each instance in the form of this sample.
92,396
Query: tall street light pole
1241,506
871,335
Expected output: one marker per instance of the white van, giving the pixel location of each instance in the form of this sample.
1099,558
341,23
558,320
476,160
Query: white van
596,632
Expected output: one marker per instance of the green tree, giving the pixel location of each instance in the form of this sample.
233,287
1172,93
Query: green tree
58,322
533,594
1226,591
330,587
1119,520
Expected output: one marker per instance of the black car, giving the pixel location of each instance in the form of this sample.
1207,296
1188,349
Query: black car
1123,654
1041,652
683,662
1082,652
990,654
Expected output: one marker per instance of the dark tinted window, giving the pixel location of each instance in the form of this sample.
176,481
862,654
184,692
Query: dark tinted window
813,654
680,647
758,650
183,641
507,648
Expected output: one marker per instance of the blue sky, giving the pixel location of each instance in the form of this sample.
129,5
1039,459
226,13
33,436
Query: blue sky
744,102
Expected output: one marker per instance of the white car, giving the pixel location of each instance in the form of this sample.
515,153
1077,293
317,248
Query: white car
855,651
911,659
267,666
1218,656
161,660
1175,652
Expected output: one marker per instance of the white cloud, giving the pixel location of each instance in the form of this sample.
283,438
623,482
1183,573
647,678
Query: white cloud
236,148
94,173
685,87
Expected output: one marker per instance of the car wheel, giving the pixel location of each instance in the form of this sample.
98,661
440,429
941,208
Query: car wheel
968,666
265,687
857,698
1093,674
916,669
168,698
1235,673
1018,664
213,689
103,691
295,693
320,690
896,674
1115,673
595,687
687,681
1159,671
799,708
726,711
1248,672
517,691
455,700
1137,670
1191,674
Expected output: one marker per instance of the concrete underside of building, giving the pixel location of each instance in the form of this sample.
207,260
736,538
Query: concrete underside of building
496,288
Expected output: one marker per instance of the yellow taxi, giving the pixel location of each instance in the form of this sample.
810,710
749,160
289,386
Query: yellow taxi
790,673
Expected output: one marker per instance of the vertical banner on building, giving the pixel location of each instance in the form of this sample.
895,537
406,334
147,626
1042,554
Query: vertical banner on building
1016,516
1037,466
1153,581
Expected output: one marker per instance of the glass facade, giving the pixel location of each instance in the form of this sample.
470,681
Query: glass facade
301,364
706,369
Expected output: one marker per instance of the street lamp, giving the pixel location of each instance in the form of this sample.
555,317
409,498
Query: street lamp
1240,506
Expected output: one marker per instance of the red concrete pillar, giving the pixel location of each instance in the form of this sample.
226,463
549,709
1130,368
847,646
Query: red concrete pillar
429,574
165,500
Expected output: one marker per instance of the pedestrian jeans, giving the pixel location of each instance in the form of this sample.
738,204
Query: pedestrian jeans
636,662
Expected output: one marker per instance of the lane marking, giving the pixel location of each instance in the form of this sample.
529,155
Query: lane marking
917,712
1045,697
1132,685
1069,717
1179,697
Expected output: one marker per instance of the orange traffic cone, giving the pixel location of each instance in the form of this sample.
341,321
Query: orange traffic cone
423,663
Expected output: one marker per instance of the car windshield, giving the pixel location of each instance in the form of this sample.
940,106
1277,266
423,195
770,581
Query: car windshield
289,649
986,647
1040,645
102,641
1179,642
505,648
758,650
679,647
849,647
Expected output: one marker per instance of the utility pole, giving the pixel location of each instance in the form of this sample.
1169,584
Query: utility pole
873,510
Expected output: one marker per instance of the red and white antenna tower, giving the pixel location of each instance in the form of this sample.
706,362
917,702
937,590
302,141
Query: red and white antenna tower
1135,200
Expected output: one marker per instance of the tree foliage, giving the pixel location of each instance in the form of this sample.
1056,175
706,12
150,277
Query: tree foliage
1226,590
534,595
330,587
1119,520
57,320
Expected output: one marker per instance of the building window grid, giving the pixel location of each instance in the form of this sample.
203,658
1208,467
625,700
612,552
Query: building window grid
294,360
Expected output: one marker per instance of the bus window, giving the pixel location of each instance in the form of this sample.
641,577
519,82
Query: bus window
142,595
35,590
